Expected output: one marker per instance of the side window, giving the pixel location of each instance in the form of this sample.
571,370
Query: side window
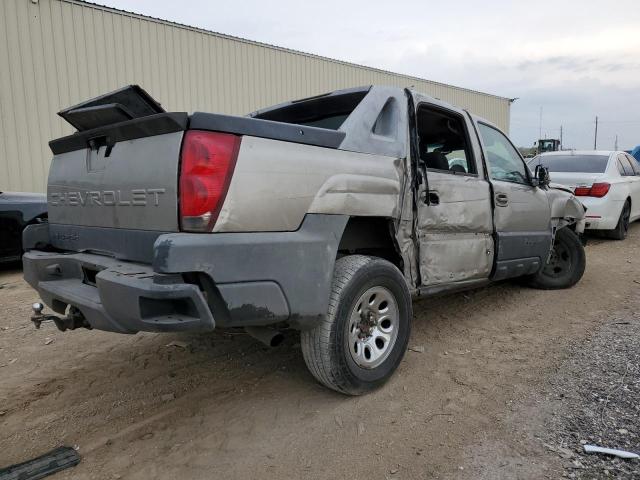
634,164
627,169
444,143
503,160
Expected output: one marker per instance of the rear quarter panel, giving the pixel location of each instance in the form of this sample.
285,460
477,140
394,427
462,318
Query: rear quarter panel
275,184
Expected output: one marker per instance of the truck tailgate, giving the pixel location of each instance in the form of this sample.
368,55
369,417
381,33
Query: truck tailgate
129,185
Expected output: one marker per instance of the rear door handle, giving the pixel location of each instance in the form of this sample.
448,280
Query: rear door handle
502,200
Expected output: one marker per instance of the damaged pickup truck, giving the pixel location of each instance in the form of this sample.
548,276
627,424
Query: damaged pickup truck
325,215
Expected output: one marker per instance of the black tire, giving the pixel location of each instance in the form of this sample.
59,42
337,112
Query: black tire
622,228
326,348
566,265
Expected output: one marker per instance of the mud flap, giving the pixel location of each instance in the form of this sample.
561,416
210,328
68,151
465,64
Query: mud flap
56,460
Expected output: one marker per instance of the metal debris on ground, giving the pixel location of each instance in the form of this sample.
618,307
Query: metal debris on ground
610,451
56,460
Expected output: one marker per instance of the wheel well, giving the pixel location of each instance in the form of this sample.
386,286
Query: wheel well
371,236
10,234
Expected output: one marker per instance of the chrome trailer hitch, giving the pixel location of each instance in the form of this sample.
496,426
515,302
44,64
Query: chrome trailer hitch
75,318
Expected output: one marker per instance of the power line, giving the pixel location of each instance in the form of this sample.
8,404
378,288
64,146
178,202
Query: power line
589,122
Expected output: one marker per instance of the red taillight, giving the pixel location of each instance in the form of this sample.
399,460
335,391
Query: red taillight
206,166
598,190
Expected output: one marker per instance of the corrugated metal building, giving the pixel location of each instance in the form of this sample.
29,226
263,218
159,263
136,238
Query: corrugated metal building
56,53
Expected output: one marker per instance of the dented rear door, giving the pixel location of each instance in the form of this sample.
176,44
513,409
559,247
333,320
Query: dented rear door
455,224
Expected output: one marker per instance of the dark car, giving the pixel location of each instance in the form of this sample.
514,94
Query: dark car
17,210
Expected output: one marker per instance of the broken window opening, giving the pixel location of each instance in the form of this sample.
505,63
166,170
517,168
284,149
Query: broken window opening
444,141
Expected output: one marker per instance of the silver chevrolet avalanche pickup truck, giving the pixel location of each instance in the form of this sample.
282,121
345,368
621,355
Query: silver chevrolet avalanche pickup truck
325,215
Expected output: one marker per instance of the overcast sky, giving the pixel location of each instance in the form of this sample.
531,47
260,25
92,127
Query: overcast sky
575,59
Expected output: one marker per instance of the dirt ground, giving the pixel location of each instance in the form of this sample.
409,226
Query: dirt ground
506,387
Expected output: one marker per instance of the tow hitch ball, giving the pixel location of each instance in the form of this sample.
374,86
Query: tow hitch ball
75,318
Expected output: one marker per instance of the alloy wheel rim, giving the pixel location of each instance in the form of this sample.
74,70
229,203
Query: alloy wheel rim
373,327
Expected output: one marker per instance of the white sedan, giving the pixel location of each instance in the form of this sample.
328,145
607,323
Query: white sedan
608,184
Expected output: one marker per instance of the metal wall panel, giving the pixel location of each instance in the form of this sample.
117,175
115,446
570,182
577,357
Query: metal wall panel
55,53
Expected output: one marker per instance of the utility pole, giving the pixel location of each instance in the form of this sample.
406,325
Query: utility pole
595,137
540,129
560,137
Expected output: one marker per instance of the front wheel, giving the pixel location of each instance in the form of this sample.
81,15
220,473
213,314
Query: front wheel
566,263
364,336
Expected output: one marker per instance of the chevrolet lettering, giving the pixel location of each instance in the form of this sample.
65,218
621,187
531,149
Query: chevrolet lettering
135,197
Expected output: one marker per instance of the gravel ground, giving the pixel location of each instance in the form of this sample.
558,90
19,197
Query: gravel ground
598,395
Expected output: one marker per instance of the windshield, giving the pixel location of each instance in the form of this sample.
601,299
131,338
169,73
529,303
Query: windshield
547,145
571,163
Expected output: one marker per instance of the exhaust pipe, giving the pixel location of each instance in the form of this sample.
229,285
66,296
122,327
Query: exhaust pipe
268,336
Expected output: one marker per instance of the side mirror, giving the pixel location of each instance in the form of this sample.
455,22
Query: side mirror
542,176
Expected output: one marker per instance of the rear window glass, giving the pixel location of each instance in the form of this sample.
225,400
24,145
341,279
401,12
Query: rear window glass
632,161
626,166
571,163
324,111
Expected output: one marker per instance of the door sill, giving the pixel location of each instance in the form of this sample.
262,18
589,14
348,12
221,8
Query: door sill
446,288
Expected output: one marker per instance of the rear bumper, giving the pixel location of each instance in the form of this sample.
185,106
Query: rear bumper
121,297
250,279
602,213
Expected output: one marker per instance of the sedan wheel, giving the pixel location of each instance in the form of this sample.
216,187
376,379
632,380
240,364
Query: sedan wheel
622,228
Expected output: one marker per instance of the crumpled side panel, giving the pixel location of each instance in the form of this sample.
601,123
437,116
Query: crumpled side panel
469,256
352,194
456,240
404,225
464,205
566,209
407,251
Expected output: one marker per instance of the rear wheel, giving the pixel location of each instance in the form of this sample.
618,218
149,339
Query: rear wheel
566,263
622,228
365,334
